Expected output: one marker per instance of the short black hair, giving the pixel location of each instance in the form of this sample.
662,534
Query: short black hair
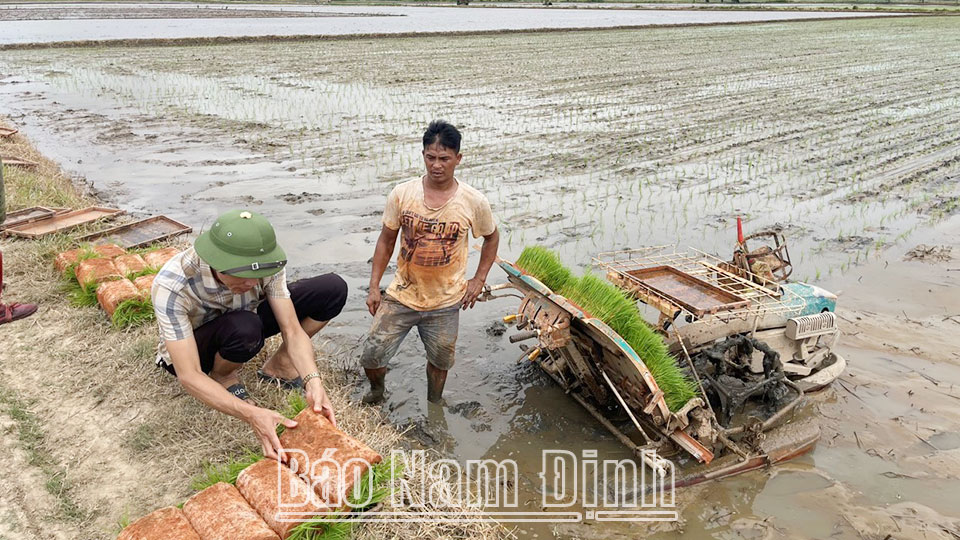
443,132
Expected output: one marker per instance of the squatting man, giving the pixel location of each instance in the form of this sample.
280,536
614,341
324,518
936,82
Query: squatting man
218,301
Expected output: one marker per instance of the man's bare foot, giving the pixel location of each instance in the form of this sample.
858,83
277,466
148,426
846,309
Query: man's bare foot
228,380
275,367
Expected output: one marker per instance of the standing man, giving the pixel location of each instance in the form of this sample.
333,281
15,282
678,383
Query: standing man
434,213
216,303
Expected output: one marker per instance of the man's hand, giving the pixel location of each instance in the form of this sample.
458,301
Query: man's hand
373,300
474,288
317,399
264,423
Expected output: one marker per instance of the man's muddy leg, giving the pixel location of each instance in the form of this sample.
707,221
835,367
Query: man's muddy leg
390,326
438,330
377,378
436,379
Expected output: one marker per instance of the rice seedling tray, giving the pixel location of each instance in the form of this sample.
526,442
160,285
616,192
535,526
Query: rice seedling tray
693,294
140,233
7,131
62,222
18,162
27,215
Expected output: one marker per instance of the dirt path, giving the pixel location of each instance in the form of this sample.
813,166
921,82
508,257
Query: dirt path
24,502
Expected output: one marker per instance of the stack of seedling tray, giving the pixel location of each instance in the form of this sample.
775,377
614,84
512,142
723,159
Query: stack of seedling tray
269,500
118,280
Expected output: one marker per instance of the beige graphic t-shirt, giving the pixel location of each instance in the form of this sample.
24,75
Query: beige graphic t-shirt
432,266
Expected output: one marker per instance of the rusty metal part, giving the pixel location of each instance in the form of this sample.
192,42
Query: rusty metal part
637,450
624,405
777,449
523,336
668,311
774,260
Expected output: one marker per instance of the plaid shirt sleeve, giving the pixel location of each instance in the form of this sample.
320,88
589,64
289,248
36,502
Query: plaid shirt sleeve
171,311
275,286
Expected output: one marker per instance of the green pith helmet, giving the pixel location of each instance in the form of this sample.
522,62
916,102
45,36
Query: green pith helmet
241,244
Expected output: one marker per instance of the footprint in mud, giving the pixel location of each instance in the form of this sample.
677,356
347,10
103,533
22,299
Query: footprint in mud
293,198
846,244
530,423
317,212
496,329
470,410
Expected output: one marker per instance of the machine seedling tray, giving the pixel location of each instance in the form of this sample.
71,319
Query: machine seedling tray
695,295
61,222
27,215
140,233
17,162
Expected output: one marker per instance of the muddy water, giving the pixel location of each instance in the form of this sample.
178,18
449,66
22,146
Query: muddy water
581,155
355,20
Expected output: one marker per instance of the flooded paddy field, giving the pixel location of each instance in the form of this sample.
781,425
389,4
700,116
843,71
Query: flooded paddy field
31,23
843,133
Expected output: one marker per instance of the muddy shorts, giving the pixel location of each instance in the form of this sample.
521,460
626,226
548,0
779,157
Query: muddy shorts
438,331
239,335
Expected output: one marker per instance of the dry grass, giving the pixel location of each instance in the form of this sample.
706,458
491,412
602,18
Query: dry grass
127,435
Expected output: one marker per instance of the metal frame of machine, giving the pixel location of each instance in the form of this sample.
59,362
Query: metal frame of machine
595,366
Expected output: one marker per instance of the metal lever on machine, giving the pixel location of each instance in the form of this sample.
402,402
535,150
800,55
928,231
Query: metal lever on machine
522,336
487,292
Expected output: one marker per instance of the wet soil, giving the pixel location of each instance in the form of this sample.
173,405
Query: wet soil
586,142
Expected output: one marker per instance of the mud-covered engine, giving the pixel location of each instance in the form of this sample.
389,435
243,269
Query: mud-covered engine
731,381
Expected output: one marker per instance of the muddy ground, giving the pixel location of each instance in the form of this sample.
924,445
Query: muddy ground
584,142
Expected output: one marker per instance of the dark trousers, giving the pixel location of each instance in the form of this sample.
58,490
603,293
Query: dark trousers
239,335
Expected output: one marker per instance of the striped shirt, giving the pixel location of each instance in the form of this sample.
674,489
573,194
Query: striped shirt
186,295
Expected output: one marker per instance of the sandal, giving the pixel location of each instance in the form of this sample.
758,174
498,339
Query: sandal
14,311
240,391
288,384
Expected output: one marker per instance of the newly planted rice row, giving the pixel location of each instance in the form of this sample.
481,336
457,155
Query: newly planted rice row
587,141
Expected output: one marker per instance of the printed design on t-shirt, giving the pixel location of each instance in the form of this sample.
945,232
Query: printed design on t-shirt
427,242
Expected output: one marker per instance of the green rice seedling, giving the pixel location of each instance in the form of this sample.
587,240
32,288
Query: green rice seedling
81,295
611,305
148,271
374,487
296,402
545,265
224,472
86,252
132,313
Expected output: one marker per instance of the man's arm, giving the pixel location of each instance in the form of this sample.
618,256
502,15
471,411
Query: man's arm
186,362
381,258
300,351
488,254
